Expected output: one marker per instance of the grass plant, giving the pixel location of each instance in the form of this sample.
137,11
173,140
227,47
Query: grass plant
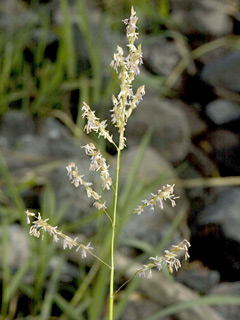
123,105
38,88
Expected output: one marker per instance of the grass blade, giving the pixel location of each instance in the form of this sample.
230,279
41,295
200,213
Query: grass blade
51,291
202,301
16,280
71,312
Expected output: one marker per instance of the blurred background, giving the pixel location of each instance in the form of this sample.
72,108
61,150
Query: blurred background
53,56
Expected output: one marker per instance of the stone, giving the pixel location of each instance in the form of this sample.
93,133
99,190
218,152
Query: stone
222,140
18,252
222,111
161,56
196,124
19,19
228,200
15,124
201,17
169,125
60,141
201,280
226,151
33,145
139,307
224,72
215,235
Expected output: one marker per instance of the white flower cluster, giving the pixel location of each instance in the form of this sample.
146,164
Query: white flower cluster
41,225
170,259
77,180
94,124
98,163
167,193
126,101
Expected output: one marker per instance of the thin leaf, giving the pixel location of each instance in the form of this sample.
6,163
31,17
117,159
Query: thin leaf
14,284
99,294
202,301
12,189
68,40
46,307
71,312
138,244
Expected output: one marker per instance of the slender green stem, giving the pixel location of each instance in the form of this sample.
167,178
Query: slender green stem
111,299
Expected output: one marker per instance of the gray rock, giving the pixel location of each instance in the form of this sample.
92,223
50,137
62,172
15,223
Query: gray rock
16,20
9,6
18,251
152,165
216,237
60,141
196,124
161,56
33,145
230,312
201,280
51,128
202,16
139,307
15,124
223,140
226,152
214,55
3,143
171,132
222,111
224,211
224,72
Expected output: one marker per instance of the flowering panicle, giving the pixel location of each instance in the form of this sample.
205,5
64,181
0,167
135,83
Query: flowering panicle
126,101
94,124
167,193
98,163
170,259
41,225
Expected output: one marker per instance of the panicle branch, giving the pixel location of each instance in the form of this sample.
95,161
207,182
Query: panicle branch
98,163
126,101
39,225
170,259
167,193
77,180
94,124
